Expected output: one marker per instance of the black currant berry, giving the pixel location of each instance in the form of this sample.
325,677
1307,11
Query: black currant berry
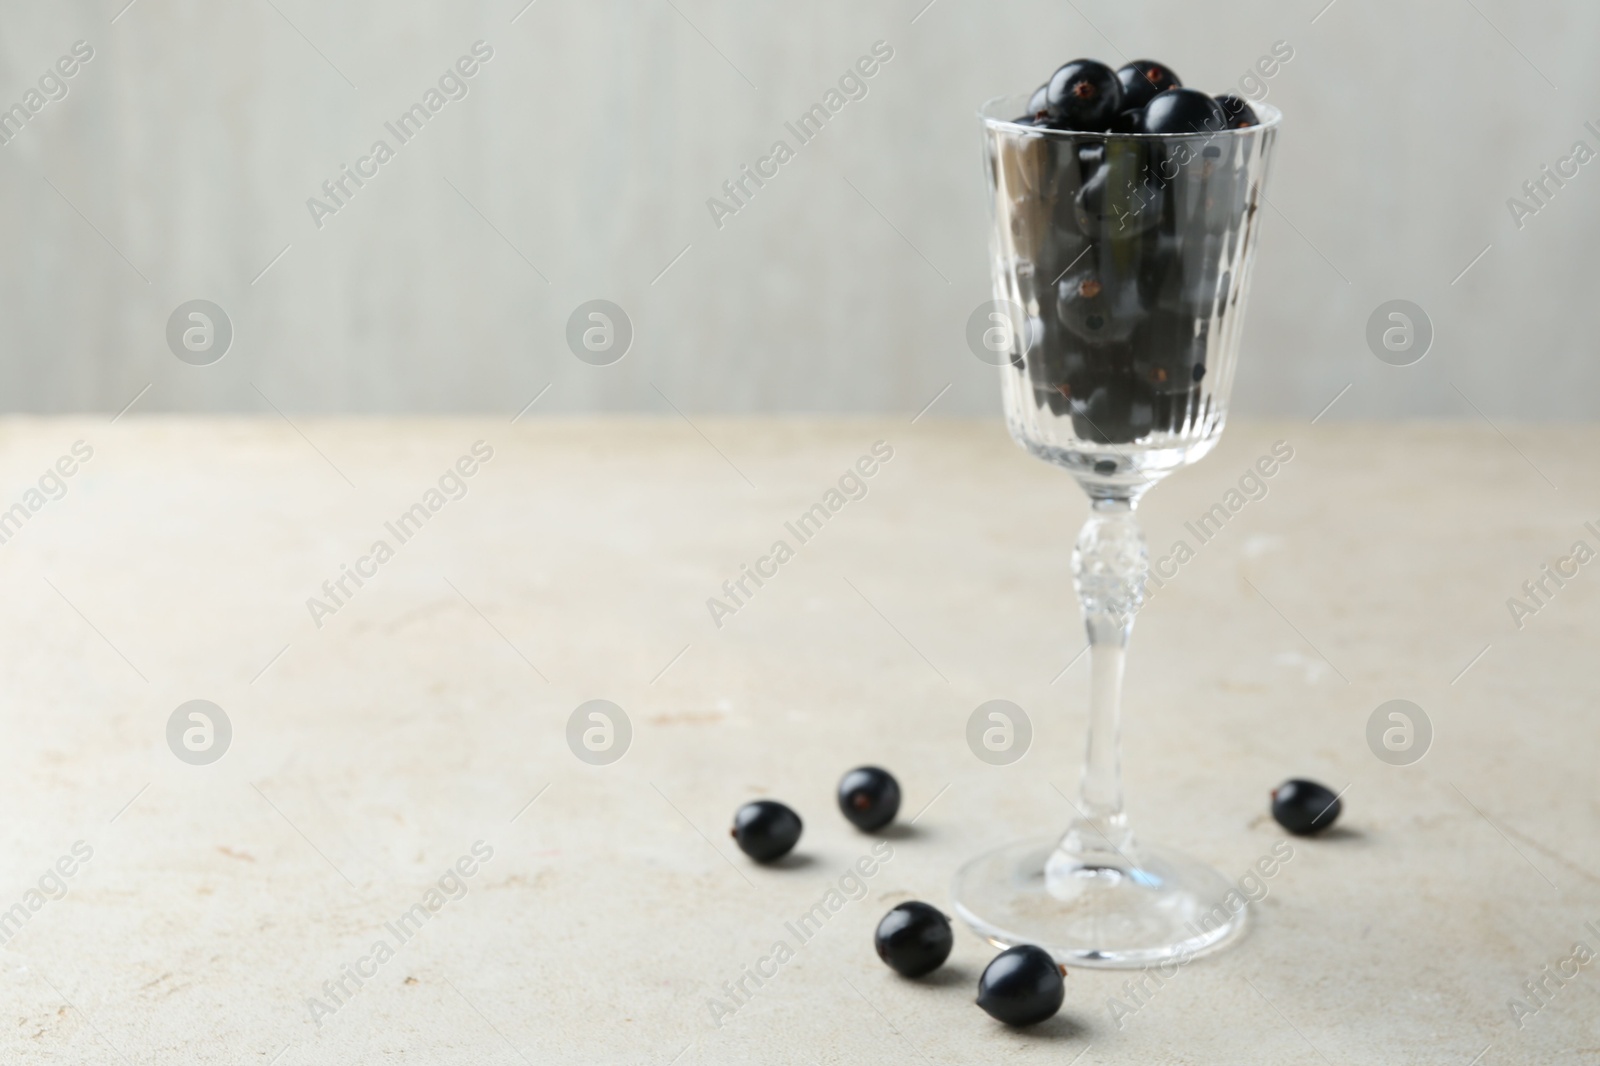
1168,347
869,797
1118,199
914,939
1088,365
1084,95
1039,102
1239,113
1061,365
1095,307
1183,111
1304,807
1142,79
1091,156
1128,122
765,830
1119,411
1021,986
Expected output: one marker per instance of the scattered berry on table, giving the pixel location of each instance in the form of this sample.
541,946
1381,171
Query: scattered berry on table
766,830
869,797
1022,986
1304,807
914,939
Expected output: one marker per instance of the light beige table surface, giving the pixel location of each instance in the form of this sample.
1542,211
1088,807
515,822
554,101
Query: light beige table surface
372,753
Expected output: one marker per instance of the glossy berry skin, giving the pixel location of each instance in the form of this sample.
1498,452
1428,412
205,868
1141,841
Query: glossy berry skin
1118,410
1083,95
1304,807
1039,102
765,830
1119,199
1142,79
1239,113
869,797
1183,111
1170,350
914,939
1022,986
1128,122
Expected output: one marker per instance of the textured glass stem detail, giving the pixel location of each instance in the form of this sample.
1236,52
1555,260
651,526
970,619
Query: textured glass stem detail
1109,567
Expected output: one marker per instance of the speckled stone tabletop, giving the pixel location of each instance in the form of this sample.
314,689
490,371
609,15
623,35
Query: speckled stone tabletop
409,851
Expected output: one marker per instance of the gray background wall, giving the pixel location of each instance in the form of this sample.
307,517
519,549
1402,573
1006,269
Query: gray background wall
179,164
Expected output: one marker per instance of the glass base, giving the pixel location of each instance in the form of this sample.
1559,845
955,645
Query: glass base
1115,909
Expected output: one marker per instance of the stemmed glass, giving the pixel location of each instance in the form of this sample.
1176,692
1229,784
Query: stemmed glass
1120,265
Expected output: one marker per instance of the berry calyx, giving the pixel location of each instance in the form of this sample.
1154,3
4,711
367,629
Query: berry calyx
1142,79
1083,95
869,797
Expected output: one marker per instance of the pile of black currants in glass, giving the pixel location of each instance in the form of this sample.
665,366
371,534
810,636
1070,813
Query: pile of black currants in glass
1144,96
1125,241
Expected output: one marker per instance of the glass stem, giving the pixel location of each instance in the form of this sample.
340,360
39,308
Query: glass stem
1109,564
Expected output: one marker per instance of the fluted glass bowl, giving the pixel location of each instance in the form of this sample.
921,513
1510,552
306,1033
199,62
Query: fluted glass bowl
1126,258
